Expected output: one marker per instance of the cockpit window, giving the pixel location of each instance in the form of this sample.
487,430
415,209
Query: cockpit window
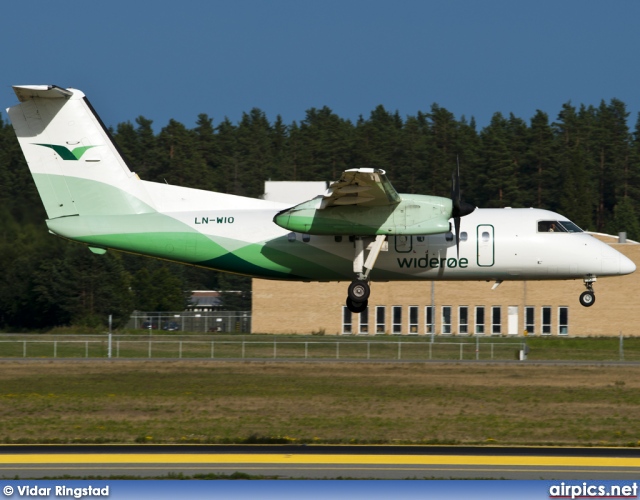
570,226
554,226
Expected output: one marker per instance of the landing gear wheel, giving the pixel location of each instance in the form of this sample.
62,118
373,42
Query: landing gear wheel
356,307
587,299
359,291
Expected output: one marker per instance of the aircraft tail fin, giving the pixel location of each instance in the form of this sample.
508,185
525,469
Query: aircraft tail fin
75,164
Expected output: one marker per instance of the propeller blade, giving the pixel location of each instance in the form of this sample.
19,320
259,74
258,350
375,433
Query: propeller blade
459,208
456,223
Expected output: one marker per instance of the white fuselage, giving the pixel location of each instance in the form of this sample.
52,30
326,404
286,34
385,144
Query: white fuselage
495,244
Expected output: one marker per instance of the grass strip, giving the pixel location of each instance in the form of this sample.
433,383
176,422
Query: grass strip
323,403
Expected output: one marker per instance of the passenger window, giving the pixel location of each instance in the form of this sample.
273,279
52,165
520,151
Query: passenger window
463,236
485,236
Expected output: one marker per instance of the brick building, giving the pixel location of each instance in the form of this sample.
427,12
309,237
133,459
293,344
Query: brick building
454,308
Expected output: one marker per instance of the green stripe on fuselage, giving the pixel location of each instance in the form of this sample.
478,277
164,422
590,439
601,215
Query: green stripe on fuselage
173,240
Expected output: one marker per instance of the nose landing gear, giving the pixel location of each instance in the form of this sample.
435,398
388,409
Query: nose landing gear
588,298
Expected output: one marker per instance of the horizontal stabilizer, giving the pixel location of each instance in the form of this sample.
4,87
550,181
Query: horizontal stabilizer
26,92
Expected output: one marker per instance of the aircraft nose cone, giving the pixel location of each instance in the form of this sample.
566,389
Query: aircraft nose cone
614,262
627,266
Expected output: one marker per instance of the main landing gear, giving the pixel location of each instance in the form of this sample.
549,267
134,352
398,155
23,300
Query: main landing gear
358,296
588,298
359,289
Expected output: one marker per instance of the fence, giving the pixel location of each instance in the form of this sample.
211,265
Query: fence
196,322
157,347
173,345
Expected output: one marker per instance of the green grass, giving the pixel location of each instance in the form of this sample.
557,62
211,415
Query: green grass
588,349
261,402
51,401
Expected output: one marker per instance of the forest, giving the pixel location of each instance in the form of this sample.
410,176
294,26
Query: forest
584,164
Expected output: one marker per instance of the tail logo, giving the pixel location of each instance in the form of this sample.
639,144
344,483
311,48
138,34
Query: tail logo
65,153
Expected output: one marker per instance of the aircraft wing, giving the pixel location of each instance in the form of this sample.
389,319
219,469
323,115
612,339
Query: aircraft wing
364,203
365,187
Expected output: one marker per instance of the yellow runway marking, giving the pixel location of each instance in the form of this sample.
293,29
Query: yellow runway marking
233,458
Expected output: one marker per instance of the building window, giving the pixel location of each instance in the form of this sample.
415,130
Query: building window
380,319
396,312
446,319
496,320
429,318
546,320
364,322
347,319
529,320
463,316
413,320
480,320
563,320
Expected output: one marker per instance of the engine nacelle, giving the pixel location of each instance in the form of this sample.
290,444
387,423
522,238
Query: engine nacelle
413,215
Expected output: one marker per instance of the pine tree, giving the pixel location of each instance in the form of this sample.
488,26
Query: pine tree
228,159
625,219
540,173
181,162
254,154
208,147
323,146
468,158
575,197
82,288
499,174
611,140
377,141
412,175
443,150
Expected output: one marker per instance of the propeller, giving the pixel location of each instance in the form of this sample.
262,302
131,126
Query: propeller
460,208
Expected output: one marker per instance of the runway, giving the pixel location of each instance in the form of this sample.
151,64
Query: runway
318,462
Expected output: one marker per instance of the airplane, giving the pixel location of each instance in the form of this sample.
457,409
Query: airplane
360,230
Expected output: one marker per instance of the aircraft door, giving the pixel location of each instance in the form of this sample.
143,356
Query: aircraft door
403,243
486,246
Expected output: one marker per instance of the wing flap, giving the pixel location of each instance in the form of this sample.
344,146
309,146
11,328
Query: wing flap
365,187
